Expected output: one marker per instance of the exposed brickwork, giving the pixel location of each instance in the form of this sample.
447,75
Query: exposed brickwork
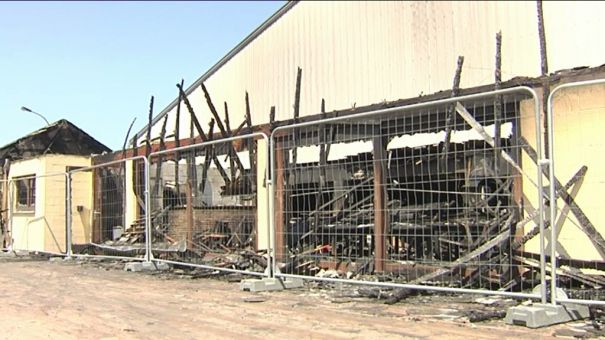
206,218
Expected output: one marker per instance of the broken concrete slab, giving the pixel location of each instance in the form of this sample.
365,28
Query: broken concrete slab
145,266
269,284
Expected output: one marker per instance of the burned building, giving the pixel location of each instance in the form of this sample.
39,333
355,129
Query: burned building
441,187
34,186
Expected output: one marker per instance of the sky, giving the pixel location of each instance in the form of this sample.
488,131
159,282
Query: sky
96,64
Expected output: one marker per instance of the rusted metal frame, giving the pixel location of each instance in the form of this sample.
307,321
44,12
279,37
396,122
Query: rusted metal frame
232,153
451,113
204,138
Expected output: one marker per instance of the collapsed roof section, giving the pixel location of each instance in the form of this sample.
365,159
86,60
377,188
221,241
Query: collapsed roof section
61,137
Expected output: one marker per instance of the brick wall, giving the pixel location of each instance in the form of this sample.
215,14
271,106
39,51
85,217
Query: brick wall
206,218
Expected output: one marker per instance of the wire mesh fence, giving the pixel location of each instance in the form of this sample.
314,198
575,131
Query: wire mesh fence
577,254
434,194
107,210
210,205
36,213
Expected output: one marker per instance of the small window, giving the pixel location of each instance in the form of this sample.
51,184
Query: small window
26,194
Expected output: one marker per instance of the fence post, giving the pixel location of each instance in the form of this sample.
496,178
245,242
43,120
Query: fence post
552,179
148,234
68,220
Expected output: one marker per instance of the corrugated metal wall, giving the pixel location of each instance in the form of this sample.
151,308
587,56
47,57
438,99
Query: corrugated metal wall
360,53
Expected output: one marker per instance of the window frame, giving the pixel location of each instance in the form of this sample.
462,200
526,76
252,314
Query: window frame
29,182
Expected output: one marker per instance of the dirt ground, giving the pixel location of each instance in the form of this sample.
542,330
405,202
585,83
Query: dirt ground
94,300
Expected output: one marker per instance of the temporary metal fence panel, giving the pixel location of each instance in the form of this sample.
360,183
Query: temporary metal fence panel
577,256
441,195
210,205
108,208
36,213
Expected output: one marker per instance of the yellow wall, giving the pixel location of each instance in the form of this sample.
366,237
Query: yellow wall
578,141
27,228
579,127
44,230
55,200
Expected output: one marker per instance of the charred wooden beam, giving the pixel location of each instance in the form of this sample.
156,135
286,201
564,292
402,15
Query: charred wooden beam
296,113
208,156
223,130
542,39
231,154
148,139
251,146
160,160
272,118
577,177
451,116
488,139
239,128
191,166
203,136
462,261
177,141
126,138
322,164
543,69
498,101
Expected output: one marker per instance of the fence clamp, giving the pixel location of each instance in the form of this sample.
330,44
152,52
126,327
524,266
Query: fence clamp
544,162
